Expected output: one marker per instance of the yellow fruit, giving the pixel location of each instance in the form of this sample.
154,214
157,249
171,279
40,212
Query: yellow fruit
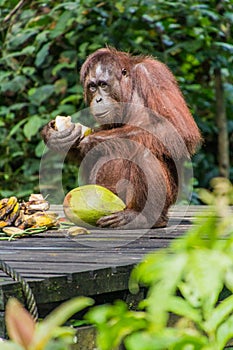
3,224
7,207
85,130
12,201
87,204
39,219
14,214
3,202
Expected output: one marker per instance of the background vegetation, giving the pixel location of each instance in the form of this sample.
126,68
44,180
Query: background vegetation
44,43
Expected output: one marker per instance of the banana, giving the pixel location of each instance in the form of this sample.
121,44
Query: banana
40,219
8,206
11,204
48,220
14,214
3,224
3,211
19,219
3,202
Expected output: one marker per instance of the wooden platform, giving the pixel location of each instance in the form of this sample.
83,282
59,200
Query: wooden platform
97,265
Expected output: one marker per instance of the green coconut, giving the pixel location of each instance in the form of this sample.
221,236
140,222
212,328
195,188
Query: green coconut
87,204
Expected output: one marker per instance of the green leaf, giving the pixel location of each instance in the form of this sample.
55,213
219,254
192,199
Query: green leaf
69,99
229,279
20,38
115,323
61,24
203,280
220,313
148,271
40,149
40,94
99,315
145,341
181,307
56,318
162,290
32,126
9,345
42,37
42,55
120,6
225,46
229,16
28,50
18,83
28,70
225,333
16,127
63,65
167,339
60,86
206,196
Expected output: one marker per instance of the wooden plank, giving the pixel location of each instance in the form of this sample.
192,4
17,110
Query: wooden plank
60,288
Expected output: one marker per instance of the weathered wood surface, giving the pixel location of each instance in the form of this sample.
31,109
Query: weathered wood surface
58,268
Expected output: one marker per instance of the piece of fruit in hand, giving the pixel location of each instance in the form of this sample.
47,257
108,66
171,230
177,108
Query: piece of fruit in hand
62,123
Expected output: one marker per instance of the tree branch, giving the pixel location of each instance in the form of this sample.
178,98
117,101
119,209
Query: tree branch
221,121
14,10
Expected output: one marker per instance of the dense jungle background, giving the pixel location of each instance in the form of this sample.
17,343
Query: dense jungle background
44,43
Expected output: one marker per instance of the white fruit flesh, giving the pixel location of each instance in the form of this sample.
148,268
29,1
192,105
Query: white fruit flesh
62,123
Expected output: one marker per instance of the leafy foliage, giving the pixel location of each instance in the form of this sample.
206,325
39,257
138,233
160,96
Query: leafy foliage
43,44
25,334
186,281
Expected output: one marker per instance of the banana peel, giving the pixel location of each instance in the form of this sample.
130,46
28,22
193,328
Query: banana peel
9,231
35,203
3,203
7,205
19,219
3,224
40,219
14,213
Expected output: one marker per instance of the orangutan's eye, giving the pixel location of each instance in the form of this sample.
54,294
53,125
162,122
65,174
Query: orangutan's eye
92,87
103,85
